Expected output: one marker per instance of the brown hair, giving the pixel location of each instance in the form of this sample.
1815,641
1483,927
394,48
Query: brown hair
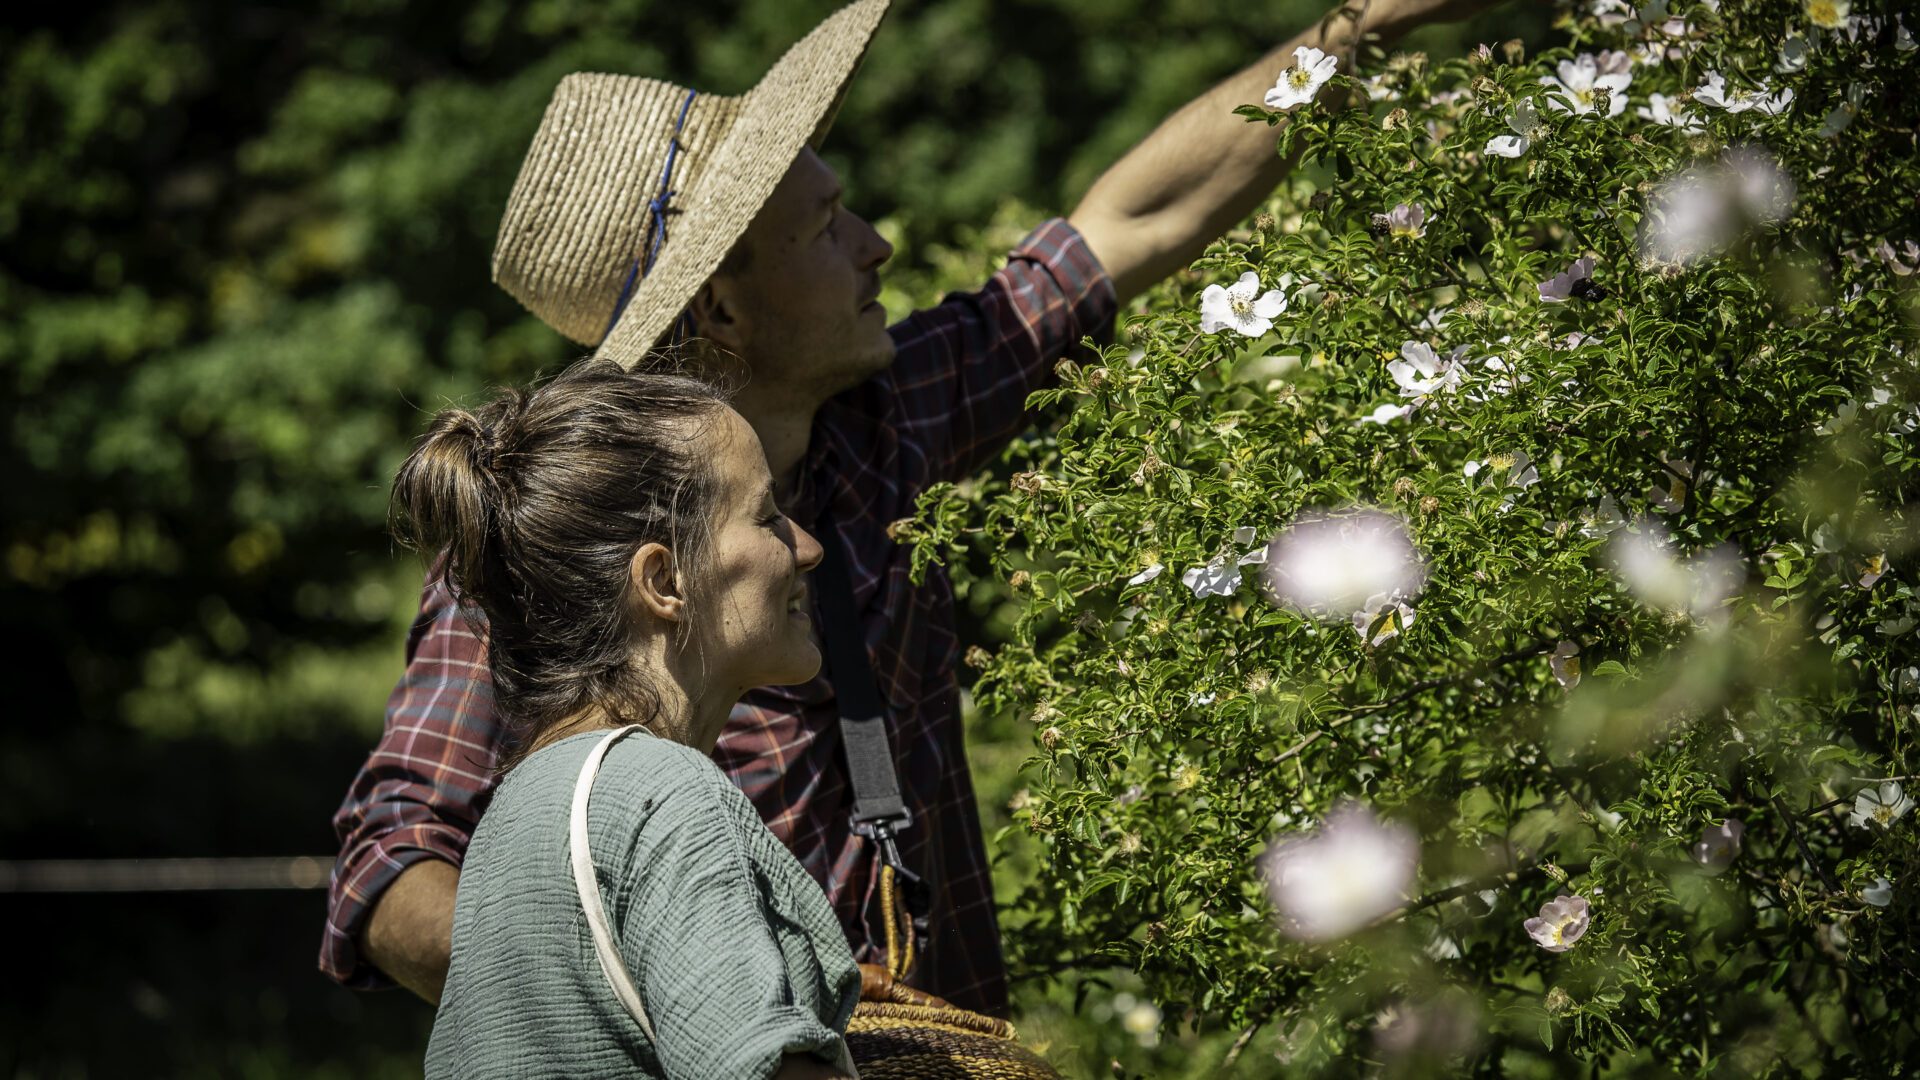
536,503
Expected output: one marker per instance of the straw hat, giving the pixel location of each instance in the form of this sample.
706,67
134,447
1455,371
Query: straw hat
578,224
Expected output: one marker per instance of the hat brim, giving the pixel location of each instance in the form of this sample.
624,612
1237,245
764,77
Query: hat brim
790,108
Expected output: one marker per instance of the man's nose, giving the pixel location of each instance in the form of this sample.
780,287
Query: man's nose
874,249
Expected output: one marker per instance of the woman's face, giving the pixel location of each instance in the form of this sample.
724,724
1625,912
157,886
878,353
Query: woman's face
757,608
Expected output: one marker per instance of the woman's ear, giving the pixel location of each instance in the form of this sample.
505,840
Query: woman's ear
655,584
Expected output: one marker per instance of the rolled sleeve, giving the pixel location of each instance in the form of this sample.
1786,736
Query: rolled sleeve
422,790
965,368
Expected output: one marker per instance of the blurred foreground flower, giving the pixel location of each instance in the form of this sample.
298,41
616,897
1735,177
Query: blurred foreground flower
1881,807
1416,1034
1298,84
1718,845
1335,564
1237,306
1660,579
1353,870
1561,924
1688,219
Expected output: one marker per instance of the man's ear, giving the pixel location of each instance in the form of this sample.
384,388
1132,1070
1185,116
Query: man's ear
655,584
719,314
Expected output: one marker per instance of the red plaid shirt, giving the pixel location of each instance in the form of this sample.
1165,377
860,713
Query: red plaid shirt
954,397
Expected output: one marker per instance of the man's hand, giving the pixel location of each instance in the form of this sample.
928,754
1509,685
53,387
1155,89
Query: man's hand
1203,168
410,933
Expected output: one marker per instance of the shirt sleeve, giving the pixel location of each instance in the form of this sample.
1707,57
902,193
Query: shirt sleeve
963,370
420,793
735,953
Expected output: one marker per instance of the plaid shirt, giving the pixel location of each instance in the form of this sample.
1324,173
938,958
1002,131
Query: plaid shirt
954,396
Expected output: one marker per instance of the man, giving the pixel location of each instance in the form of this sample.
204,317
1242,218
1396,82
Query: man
645,212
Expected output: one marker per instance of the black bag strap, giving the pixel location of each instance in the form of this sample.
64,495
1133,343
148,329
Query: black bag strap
863,714
879,811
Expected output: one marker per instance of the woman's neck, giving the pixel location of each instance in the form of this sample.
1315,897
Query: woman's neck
680,711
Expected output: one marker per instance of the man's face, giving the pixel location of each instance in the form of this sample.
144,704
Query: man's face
804,311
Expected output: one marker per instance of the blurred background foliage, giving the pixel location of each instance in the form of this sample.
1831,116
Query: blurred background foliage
243,257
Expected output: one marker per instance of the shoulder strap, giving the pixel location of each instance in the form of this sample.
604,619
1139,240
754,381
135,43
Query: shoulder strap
879,811
580,853
863,716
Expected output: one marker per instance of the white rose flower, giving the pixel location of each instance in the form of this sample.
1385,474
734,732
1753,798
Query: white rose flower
1382,619
1576,90
1327,884
1241,307
1714,91
1420,371
1387,414
1561,924
1881,807
1146,575
1565,664
1219,577
1661,110
1718,845
1828,14
1298,84
1525,124
1879,894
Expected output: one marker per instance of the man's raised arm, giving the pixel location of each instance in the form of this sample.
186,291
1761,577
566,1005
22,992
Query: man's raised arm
1203,168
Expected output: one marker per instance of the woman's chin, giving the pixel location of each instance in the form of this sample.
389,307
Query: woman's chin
804,664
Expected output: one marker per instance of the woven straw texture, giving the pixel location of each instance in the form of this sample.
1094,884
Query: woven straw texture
577,218
926,1042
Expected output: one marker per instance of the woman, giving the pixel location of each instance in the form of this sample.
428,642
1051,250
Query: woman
619,531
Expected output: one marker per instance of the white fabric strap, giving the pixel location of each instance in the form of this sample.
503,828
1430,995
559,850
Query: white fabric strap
580,851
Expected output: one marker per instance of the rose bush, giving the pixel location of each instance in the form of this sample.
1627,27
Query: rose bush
1500,644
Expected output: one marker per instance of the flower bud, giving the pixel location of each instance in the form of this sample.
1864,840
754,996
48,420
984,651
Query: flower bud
1018,580
1065,369
1558,1002
1394,120
1405,487
1515,51
977,657
900,530
1264,224
1050,737
1028,483
1429,504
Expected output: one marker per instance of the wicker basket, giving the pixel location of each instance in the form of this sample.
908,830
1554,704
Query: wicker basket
892,1041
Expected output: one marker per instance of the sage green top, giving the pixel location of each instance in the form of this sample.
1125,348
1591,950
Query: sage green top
736,954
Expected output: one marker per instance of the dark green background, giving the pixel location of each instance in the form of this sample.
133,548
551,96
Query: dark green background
243,256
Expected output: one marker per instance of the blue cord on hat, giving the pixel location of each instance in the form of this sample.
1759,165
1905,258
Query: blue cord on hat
657,208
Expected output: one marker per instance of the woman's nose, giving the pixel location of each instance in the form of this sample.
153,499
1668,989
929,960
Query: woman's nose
806,550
